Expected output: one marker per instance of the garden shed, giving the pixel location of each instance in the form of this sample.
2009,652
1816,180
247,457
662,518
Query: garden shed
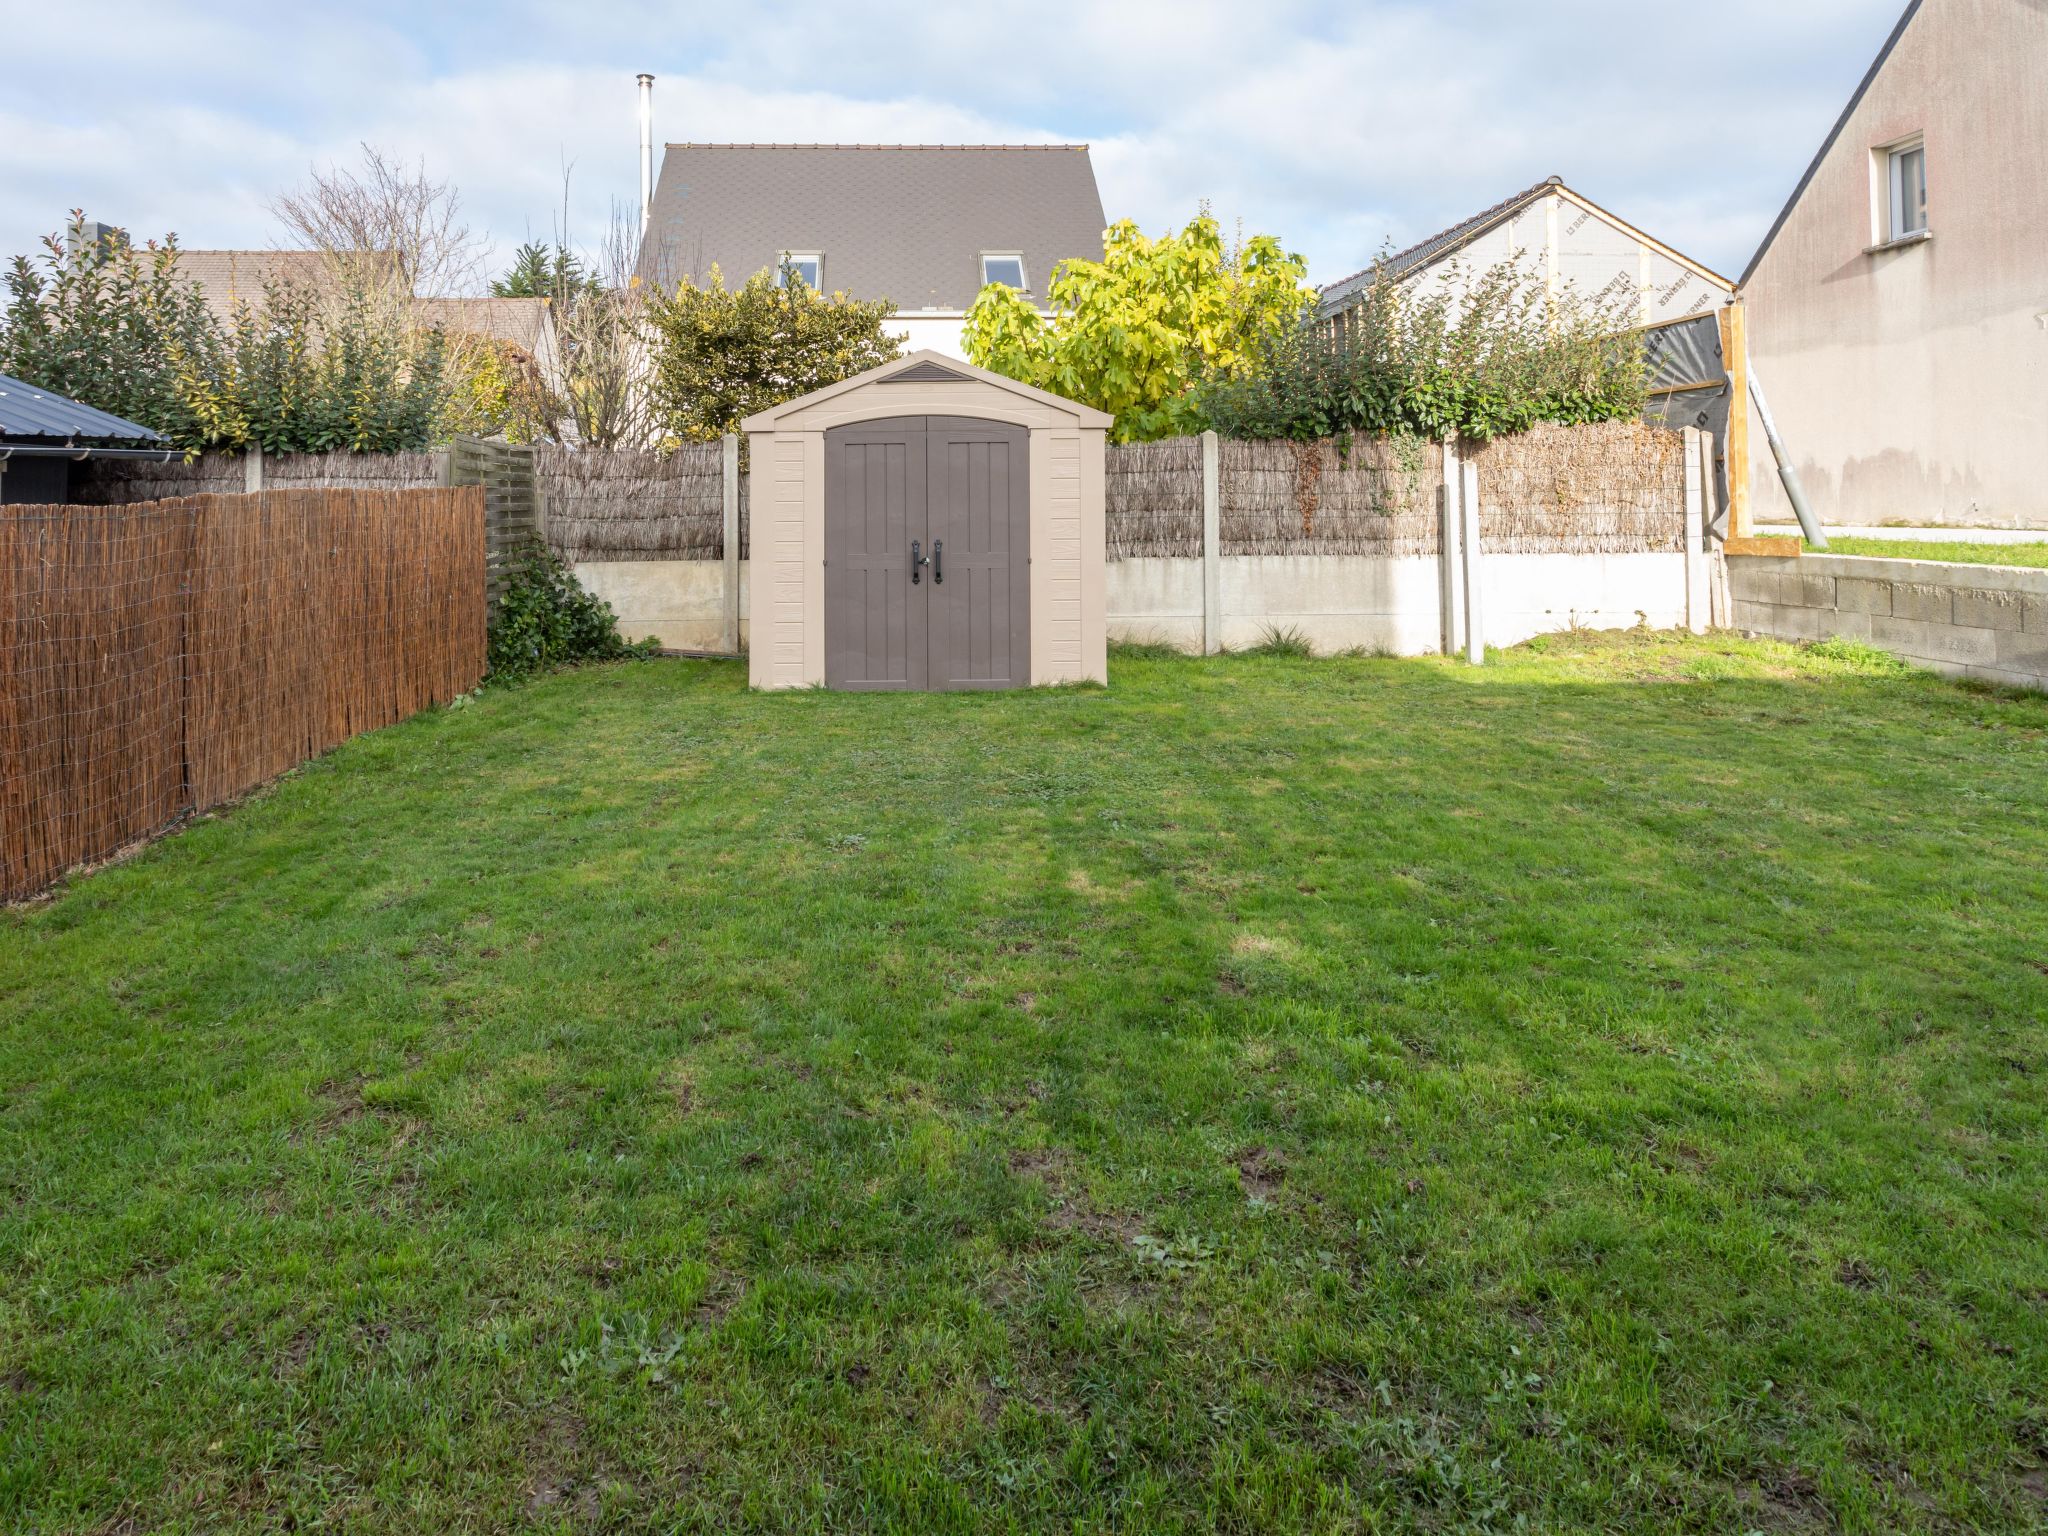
926,525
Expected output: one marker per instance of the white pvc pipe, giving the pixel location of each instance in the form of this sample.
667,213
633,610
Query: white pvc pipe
646,151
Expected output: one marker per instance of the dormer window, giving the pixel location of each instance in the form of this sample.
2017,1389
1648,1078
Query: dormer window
1005,267
809,267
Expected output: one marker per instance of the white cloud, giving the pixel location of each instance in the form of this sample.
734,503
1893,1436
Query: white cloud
1335,127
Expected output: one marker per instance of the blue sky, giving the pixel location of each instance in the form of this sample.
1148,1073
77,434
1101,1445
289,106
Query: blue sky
1334,126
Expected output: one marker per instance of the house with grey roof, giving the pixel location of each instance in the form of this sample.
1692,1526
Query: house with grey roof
1566,238
924,226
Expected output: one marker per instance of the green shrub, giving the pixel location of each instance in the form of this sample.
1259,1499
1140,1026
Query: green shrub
345,366
546,619
1435,361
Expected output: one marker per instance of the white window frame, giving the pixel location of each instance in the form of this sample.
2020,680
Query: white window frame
794,258
1017,256
1887,183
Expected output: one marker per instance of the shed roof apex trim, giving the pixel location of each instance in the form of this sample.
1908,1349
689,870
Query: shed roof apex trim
1084,415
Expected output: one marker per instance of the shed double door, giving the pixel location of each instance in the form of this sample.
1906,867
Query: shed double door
927,554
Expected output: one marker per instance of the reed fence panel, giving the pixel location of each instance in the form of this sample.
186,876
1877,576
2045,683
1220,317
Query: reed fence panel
1614,487
160,658
1349,496
1152,499
626,504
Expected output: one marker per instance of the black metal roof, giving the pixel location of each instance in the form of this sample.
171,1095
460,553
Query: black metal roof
32,415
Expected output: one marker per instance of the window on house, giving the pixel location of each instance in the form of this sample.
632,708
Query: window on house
1906,190
809,266
1005,267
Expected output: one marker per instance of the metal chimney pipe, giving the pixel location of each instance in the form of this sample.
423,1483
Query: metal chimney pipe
646,151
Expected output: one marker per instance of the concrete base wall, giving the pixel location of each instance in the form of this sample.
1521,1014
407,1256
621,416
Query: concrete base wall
1344,602
680,603
1337,602
1985,621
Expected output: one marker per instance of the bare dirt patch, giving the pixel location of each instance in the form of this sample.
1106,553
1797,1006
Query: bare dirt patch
1261,1172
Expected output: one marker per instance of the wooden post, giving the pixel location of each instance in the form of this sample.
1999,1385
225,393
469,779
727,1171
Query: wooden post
1475,616
1735,364
1212,547
1696,600
252,469
1449,571
729,474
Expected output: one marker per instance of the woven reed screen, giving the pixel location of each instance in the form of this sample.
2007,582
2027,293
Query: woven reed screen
160,658
1152,499
1616,487
628,505
1357,496
121,482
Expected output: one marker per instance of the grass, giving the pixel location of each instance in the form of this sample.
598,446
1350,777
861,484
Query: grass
1602,1091
2035,555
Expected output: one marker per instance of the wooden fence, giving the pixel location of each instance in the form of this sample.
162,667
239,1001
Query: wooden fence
513,517
159,658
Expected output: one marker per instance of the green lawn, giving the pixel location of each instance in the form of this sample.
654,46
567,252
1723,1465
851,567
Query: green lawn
1932,549
1603,1091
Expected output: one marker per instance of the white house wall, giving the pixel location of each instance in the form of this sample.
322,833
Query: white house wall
1585,253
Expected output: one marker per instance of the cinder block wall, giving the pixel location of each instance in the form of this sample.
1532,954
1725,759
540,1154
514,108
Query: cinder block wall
1987,621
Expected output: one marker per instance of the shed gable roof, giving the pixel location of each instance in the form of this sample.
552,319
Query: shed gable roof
920,367
903,222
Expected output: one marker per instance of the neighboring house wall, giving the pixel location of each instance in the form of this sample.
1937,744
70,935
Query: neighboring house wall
1565,241
930,331
1911,384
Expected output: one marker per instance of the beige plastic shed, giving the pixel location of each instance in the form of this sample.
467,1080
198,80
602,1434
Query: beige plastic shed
926,525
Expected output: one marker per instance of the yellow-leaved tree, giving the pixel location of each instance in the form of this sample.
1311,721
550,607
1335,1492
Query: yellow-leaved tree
1134,333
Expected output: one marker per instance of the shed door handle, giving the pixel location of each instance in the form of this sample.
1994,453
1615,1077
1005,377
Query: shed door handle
938,570
916,562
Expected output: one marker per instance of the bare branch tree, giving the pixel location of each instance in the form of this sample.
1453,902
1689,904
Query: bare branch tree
387,219
607,371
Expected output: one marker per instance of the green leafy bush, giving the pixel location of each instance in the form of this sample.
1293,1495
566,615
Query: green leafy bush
1479,360
721,354
1133,333
547,619
118,327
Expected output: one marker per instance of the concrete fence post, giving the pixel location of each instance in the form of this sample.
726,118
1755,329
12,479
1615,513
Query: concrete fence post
1212,547
252,469
1448,564
1475,617
729,476
1696,599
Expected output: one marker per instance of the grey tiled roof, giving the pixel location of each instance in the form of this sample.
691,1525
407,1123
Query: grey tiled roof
905,222
29,414
1423,252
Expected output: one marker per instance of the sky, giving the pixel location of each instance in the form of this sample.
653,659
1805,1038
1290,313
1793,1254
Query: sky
1337,127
